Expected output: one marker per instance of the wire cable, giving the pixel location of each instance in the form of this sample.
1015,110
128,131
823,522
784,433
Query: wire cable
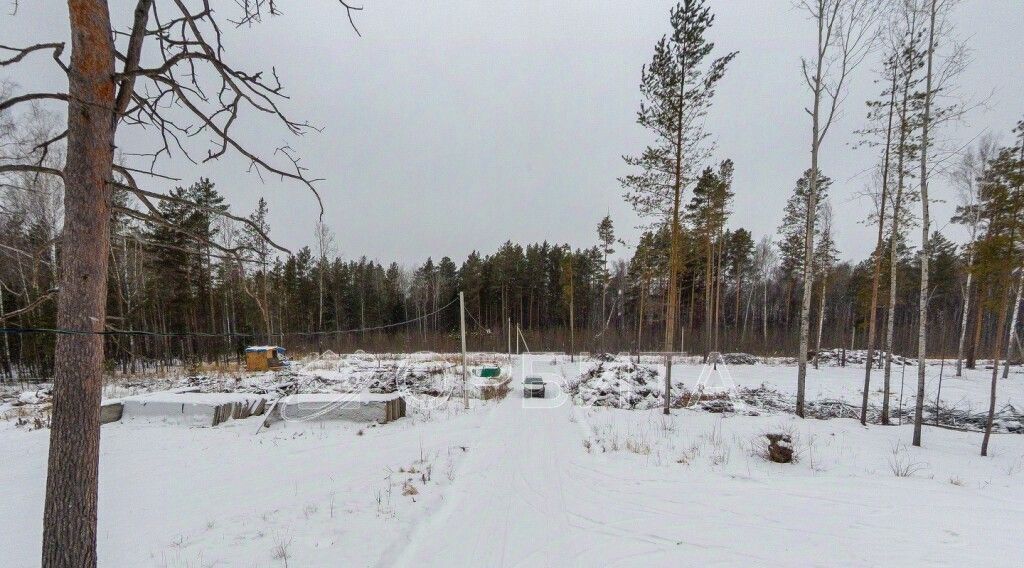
140,333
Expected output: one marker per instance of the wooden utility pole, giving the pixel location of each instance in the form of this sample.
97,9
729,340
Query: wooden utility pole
572,310
509,334
465,369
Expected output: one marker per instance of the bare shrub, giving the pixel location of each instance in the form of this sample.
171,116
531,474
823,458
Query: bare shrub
281,549
637,446
720,456
900,463
496,391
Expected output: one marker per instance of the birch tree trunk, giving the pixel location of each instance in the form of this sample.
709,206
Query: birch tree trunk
7,346
963,316
922,330
876,273
1013,326
808,272
764,312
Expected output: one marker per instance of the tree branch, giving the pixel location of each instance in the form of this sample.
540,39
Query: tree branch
21,52
6,104
35,303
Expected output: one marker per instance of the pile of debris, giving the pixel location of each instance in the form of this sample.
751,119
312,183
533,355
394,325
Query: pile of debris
618,385
739,359
859,357
28,409
1008,419
769,399
37,396
383,377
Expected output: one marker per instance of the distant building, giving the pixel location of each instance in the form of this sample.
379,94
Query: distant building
264,357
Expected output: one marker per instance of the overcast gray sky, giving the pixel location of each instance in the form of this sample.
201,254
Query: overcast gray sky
453,126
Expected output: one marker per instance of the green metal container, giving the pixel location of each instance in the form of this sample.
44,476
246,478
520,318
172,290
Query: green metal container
490,372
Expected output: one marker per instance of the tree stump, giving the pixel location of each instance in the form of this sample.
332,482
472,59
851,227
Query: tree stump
780,448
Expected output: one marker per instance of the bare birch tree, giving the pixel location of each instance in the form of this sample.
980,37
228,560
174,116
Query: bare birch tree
965,176
940,76
883,109
845,33
906,41
325,248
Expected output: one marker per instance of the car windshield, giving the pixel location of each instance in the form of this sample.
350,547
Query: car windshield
534,381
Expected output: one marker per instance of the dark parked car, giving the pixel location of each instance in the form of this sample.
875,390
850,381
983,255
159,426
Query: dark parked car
533,387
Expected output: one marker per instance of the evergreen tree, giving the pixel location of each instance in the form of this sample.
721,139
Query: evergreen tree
677,89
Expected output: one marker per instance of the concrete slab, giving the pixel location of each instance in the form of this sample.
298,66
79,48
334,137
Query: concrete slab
111,411
353,407
191,409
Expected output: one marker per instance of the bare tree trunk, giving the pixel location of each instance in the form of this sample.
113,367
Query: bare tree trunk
996,352
709,295
891,319
876,273
922,330
718,290
640,321
69,514
817,86
7,346
843,39
901,153
746,312
979,323
1013,326
805,304
764,313
821,321
963,316
572,316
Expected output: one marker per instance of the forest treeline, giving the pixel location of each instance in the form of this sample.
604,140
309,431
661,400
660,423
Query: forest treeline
735,293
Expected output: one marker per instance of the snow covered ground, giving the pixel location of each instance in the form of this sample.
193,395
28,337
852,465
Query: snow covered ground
528,482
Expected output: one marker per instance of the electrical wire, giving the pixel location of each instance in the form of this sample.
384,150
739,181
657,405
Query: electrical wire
59,331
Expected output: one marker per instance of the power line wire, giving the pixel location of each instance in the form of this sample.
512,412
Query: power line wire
141,333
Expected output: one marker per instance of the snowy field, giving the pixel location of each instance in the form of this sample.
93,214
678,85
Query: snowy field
531,482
